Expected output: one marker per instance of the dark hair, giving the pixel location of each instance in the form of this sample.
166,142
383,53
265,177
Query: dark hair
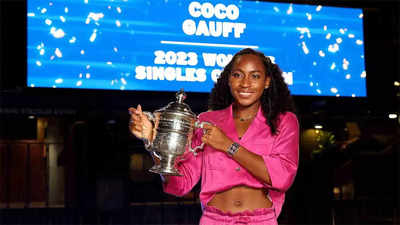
276,99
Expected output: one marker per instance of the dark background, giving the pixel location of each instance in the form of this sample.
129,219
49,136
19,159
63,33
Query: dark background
382,57
375,164
381,38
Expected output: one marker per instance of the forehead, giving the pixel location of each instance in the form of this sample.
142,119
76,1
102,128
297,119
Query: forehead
249,60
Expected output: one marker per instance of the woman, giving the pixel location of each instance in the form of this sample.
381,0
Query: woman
250,156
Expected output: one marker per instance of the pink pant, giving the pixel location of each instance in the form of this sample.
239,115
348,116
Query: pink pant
214,216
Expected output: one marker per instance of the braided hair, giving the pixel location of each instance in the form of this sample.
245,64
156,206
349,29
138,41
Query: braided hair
276,99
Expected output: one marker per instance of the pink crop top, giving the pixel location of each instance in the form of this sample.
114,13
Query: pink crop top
219,172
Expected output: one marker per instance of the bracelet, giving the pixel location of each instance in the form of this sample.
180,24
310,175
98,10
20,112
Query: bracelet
233,149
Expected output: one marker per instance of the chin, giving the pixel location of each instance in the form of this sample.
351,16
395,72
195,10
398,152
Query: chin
246,103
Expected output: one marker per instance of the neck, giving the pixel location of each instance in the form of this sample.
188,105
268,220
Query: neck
245,113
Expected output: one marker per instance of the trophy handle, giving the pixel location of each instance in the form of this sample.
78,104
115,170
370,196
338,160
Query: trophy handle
154,120
197,124
157,155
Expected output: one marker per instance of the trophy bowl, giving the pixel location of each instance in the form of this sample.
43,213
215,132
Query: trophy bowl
174,127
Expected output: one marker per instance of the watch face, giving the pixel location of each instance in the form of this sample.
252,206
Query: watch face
233,149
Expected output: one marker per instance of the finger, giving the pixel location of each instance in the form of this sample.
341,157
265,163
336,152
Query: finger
207,126
157,116
204,139
139,109
136,119
142,115
136,111
131,110
137,128
208,130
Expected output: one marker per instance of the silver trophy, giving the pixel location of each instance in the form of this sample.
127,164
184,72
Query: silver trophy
174,126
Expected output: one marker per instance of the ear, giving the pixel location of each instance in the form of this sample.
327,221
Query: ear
267,82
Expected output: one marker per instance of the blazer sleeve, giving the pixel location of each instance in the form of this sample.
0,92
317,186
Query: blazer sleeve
282,162
189,166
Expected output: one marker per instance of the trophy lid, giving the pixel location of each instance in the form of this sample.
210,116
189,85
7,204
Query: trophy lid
178,106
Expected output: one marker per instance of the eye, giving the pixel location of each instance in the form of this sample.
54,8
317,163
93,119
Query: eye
255,76
236,75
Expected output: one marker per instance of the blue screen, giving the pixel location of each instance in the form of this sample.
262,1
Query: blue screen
172,44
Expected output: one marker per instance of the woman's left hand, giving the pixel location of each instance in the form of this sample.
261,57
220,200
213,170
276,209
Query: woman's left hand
215,137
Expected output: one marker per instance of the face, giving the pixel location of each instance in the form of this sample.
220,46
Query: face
247,80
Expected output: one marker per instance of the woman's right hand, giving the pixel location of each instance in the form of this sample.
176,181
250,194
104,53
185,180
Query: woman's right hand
142,127
139,124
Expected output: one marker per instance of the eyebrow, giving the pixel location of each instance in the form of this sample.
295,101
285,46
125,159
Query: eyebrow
253,71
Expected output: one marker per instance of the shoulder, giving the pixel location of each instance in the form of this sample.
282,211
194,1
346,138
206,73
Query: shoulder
288,120
288,116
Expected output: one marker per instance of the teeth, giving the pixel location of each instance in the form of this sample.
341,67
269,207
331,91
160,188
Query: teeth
244,93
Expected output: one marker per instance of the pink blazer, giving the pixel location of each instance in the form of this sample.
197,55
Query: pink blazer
219,172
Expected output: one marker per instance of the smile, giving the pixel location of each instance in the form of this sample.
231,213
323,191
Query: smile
245,94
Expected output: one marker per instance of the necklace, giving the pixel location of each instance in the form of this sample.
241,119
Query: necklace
242,119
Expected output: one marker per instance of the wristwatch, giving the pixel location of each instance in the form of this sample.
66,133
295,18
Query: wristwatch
233,149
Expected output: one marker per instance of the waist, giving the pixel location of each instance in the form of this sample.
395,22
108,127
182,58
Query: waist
255,212
241,198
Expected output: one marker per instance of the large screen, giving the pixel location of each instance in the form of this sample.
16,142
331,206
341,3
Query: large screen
166,45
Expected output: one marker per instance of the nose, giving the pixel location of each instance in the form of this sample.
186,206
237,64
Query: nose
245,82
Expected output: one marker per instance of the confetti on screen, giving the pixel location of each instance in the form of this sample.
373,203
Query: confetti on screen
167,45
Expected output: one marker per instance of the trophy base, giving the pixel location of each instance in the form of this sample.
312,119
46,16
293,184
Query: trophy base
165,171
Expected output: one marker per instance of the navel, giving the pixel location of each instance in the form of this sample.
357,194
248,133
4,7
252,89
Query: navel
237,203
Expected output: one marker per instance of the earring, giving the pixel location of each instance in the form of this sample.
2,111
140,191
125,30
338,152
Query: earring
266,87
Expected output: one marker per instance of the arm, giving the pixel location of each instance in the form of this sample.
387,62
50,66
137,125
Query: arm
253,163
282,162
276,169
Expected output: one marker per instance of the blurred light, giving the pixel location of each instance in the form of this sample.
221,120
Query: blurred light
336,192
111,121
31,117
392,116
397,83
318,126
136,162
